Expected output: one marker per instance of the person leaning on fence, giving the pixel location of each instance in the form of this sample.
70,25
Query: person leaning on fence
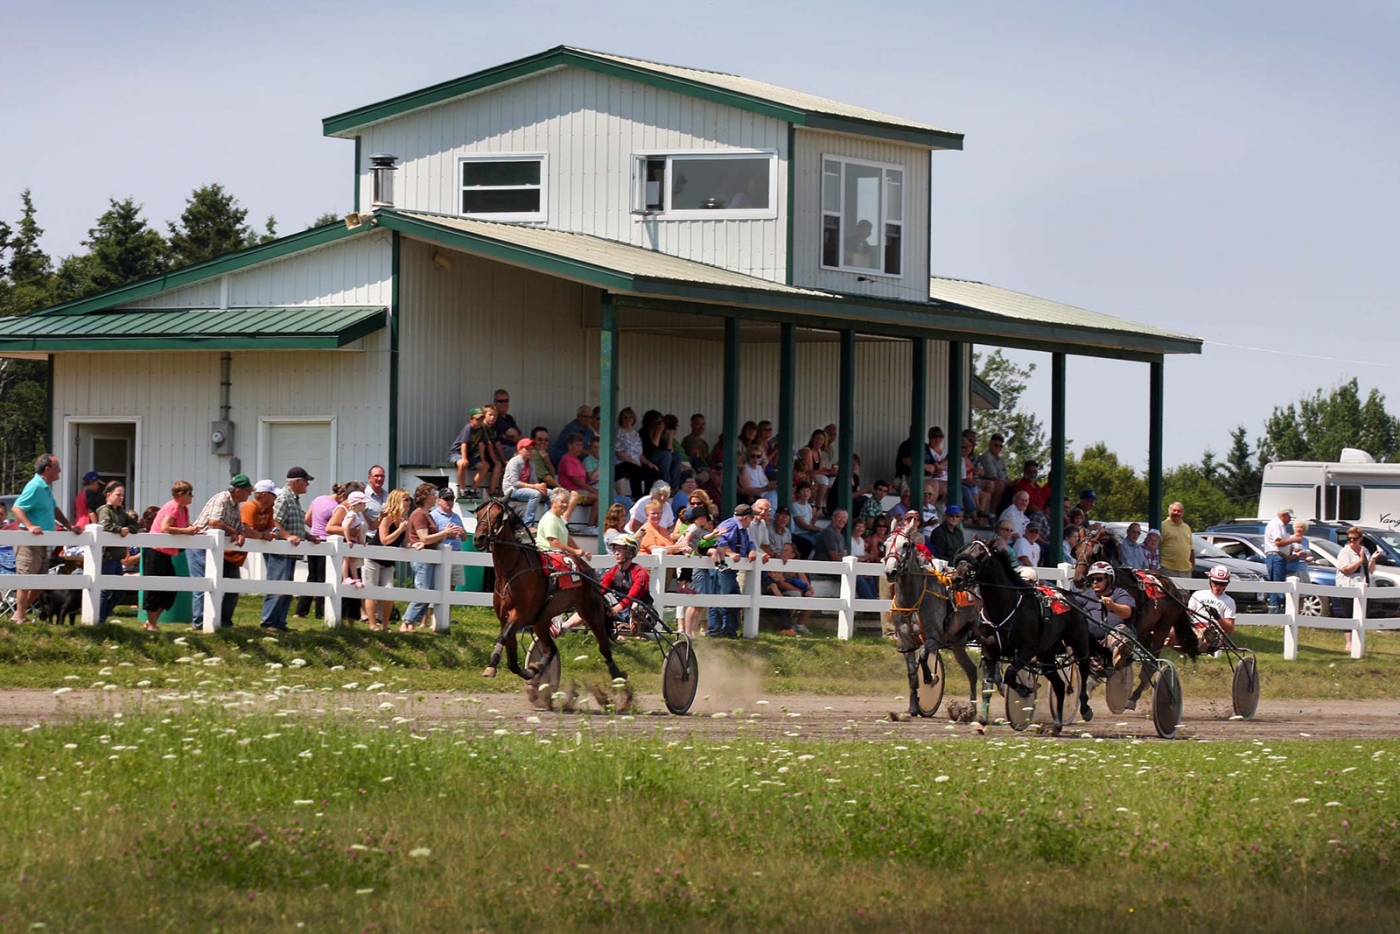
88,500
444,514
379,572
36,511
424,533
112,515
348,522
290,517
731,542
221,512
172,519
256,513
1355,567
315,519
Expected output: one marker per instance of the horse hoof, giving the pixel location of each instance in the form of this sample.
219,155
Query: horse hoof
1130,704
489,672
1055,728
1086,713
532,672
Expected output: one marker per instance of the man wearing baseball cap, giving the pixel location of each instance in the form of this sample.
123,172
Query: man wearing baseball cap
1278,535
289,517
222,512
731,541
520,484
88,500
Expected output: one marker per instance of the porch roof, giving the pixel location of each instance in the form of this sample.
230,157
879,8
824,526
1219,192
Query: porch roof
320,327
956,310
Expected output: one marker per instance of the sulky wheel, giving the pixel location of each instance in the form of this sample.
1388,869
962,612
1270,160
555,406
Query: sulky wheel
1245,690
1020,711
546,681
1070,675
930,696
680,677
1117,688
1166,701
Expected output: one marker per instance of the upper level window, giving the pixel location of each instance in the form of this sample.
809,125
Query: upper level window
862,216
503,187
706,185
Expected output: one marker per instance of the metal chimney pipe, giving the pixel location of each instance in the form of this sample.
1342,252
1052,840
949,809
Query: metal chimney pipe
382,165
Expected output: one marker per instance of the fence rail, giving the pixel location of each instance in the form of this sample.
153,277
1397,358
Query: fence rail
750,600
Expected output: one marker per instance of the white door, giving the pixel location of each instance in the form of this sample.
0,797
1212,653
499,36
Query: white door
300,444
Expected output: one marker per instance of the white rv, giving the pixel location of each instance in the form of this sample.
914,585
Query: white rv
1353,489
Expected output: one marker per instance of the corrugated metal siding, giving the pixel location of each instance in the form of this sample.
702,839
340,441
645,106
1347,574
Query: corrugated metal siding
590,125
177,396
350,272
807,235
476,327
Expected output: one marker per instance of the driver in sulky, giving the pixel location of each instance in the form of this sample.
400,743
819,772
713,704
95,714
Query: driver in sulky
1108,607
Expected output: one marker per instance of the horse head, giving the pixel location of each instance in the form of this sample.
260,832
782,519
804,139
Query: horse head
493,523
1100,545
901,552
969,565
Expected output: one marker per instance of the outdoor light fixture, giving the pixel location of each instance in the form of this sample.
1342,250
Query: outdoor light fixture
382,165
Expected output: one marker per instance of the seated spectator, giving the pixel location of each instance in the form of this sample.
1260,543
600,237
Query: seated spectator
1087,500
656,447
1071,539
592,463
553,532
900,509
805,529
996,482
947,538
613,522
696,448
1131,551
486,442
870,506
867,588
660,493
1152,550
1027,547
770,447
541,466
505,422
831,543
818,462
781,532
520,485
782,583
754,483
1015,514
680,497
974,497
573,476
634,472
936,468
582,425
1037,493
761,528
652,533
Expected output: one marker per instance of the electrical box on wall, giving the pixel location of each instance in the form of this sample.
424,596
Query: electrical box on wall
221,438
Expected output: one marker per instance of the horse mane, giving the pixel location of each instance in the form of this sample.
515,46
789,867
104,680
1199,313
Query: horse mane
1002,555
1112,546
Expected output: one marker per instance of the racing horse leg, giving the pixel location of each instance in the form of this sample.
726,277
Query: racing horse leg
595,613
959,652
913,661
1057,700
989,670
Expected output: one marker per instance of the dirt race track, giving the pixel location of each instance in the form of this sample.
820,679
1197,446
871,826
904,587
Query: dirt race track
810,716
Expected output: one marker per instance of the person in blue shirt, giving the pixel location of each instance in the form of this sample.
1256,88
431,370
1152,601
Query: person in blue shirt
36,511
731,541
443,516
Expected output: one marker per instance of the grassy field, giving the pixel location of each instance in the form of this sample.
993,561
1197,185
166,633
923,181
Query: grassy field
268,823
39,655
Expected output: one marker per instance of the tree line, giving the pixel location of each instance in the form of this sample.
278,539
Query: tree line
121,247
1315,427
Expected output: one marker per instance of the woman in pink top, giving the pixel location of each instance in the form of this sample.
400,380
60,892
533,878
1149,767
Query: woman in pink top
573,476
172,519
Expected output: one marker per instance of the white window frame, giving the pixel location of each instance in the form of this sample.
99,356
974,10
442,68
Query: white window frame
540,157
639,160
822,214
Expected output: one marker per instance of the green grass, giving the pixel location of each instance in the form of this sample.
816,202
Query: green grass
39,655
282,823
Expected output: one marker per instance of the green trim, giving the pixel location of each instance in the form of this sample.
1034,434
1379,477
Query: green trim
729,484
957,414
1156,395
787,408
393,466
119,345
918,421
791,197
343,123
358,160
607,408
541,260
230,262
846,428
1057,453
92,333
48,411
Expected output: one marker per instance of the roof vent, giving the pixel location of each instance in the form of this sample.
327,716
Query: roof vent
382,165
1355,456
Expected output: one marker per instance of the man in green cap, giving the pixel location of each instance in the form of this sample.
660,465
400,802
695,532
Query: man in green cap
222,513
463,446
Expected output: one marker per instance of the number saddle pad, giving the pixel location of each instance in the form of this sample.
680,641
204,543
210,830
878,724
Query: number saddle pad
1151,585
561,570
1051,599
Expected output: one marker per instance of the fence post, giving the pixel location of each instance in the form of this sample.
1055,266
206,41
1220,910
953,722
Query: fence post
92,567
658,582
1066,575
754,585
1358,635
333,559
846,616
442,612
214,575
1290,628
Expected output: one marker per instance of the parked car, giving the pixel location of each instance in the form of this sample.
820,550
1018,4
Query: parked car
1207,556
1322,569
1331,531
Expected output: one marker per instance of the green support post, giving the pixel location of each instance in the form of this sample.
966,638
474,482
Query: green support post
846,439
1057,453
918,422
1155,509
391,469
957,395
607,410
787,410
729,489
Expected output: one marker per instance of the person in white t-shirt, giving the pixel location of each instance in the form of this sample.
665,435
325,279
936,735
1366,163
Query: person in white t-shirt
660,492
1016,514
1278,536
1215,603
1027,547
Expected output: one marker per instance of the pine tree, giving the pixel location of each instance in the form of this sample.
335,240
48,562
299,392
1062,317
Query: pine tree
123,247
1241,478
28,264
212,224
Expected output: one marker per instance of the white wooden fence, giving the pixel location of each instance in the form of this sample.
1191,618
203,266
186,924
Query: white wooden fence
845,604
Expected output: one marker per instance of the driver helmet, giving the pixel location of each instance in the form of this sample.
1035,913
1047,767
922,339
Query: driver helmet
625,543
1100,569
1220,573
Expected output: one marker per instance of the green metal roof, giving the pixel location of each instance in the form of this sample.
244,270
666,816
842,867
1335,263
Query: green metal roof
795,107
311,327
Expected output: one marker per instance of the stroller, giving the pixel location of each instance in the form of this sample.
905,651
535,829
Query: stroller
8,596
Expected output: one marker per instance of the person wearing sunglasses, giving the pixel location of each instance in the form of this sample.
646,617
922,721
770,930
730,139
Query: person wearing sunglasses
1215,603
1355,565
754,482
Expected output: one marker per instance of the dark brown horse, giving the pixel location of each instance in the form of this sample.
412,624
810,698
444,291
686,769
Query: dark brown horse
528,597
1160,606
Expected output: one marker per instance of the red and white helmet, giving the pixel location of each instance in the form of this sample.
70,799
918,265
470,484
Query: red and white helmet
1100,569
1220,573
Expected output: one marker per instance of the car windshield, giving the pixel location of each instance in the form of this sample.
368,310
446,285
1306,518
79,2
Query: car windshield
1205,549
1331,549
1386,538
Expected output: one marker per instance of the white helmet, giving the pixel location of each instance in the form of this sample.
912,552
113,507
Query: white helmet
624,542
1101,569
1220,573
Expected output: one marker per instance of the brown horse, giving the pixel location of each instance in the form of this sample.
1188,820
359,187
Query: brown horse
1160,606
527,596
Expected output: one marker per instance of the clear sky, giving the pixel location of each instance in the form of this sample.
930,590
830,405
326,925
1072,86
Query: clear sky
1224,169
